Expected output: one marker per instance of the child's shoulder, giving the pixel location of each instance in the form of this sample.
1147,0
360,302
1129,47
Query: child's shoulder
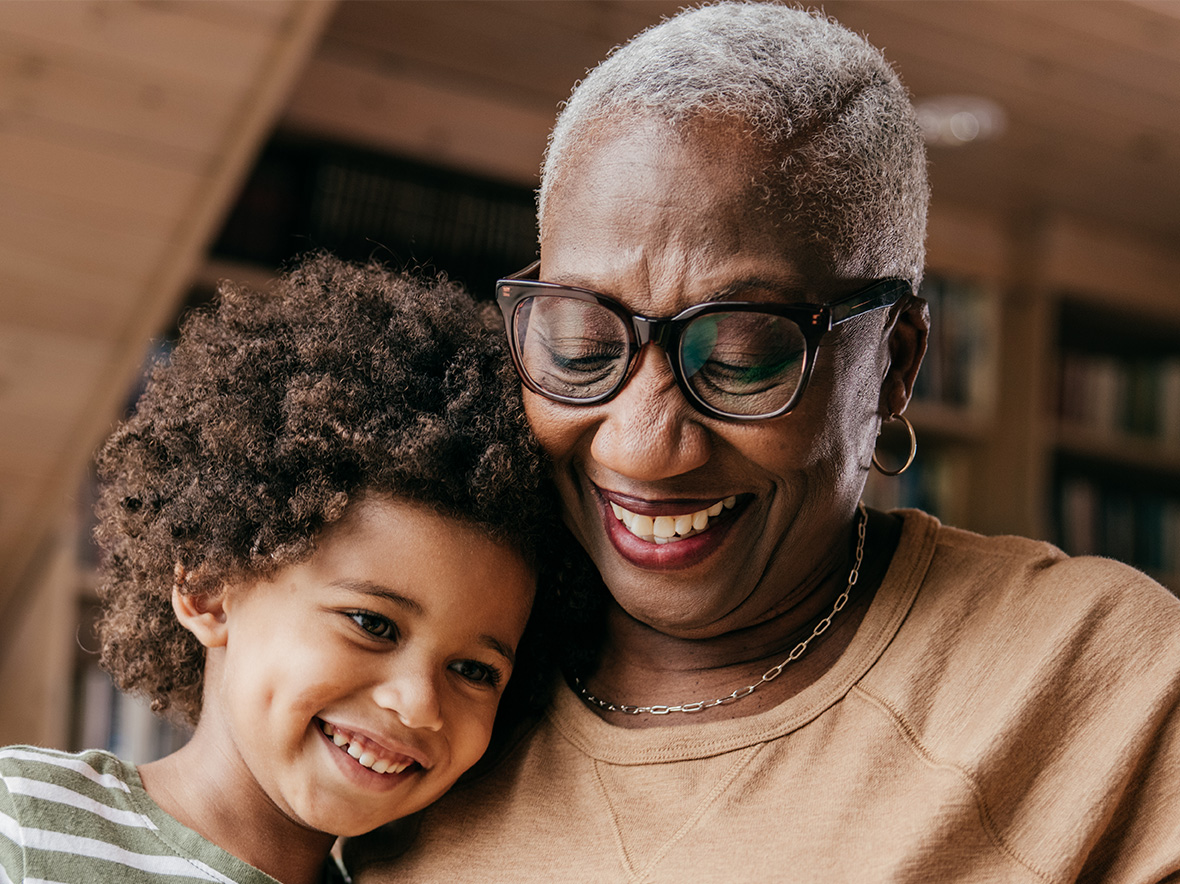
59,808
53,762
72,778
60,791
82,817
52,781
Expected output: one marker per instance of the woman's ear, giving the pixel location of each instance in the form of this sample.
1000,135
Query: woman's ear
907,346
203,614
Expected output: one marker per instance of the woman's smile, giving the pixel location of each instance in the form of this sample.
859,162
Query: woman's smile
670,522
666,534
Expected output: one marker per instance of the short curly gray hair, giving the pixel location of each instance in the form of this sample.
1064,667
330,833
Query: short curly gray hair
848,174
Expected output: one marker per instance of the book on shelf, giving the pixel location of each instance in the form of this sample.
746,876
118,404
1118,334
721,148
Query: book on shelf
934,483
958,369
1122,395
1138,526
306,194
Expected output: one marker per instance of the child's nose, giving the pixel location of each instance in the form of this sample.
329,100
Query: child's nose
414,697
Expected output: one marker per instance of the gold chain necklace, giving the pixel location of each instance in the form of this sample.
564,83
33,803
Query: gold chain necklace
770,674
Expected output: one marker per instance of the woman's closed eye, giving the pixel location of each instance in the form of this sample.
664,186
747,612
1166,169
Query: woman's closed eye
375,625
479,673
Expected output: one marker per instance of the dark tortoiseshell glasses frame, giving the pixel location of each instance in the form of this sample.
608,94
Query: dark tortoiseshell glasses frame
813,320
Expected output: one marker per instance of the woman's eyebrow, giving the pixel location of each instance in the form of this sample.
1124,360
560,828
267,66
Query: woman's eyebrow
368,587
790,290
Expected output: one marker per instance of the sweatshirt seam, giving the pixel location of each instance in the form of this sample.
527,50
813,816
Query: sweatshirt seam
604,794
927,757
689,823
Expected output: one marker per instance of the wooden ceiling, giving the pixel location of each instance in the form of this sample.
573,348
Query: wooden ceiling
126,128
125,132
1091,89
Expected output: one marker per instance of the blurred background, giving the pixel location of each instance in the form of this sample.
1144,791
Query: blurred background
149,149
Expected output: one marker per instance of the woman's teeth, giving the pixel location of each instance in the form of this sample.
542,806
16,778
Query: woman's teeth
668,529
363,751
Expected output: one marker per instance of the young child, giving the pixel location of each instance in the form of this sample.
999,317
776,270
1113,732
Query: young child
318,530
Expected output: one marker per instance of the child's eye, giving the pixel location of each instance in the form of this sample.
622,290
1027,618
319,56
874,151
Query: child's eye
481,673
374,624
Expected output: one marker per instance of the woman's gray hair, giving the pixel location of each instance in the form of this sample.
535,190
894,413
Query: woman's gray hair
848,173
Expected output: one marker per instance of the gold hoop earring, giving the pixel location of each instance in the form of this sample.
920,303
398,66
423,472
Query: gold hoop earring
913,448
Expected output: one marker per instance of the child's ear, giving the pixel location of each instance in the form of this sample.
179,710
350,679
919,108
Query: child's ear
202,614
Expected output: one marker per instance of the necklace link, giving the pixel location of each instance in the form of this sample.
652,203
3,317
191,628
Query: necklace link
770,674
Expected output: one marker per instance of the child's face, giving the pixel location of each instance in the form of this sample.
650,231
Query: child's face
354,688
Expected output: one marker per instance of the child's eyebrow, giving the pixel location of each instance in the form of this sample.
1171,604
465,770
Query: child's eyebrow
367,587
499,647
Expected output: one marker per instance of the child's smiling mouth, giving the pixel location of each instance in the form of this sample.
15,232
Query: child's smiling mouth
366,752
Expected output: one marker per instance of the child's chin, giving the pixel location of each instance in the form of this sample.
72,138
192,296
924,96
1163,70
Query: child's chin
355,828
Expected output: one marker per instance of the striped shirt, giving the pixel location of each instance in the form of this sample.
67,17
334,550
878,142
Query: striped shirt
86,819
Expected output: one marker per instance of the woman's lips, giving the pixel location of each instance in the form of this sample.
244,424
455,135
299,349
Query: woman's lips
670,523
665,535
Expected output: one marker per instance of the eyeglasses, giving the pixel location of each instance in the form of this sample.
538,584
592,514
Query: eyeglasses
733,360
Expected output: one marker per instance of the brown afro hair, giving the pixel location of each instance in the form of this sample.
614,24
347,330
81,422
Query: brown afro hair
274,411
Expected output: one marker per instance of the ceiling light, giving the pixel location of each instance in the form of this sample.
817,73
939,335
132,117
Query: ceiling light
955,120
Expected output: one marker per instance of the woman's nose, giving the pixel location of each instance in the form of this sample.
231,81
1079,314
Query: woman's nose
649,431
413,695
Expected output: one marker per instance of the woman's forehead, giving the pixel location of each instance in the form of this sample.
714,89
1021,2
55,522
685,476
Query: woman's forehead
661,220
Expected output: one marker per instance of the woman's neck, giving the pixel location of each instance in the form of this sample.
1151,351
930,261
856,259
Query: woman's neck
641,666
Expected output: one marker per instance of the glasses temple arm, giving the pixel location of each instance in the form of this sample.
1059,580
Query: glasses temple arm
883,294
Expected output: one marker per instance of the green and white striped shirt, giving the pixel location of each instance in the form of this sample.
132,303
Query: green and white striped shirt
86,819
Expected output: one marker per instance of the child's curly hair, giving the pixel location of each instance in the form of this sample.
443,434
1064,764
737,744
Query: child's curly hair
275,411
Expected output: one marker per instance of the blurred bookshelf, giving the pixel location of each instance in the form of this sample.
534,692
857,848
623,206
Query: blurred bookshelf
1116,449
307,195
105,718
1048,406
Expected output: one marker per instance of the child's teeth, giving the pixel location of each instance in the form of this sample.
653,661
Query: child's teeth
715,509
699,521
683,524
365,757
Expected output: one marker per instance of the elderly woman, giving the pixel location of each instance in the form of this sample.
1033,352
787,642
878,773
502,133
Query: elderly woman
787,686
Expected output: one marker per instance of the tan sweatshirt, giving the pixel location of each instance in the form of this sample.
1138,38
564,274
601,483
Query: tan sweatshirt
1004,713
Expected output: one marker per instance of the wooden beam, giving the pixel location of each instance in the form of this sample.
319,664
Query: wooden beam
198,211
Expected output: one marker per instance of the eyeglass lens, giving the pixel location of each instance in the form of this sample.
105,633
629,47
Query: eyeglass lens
739,363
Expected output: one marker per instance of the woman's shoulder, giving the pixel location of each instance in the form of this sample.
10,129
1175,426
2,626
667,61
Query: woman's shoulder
1014,571
997,613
